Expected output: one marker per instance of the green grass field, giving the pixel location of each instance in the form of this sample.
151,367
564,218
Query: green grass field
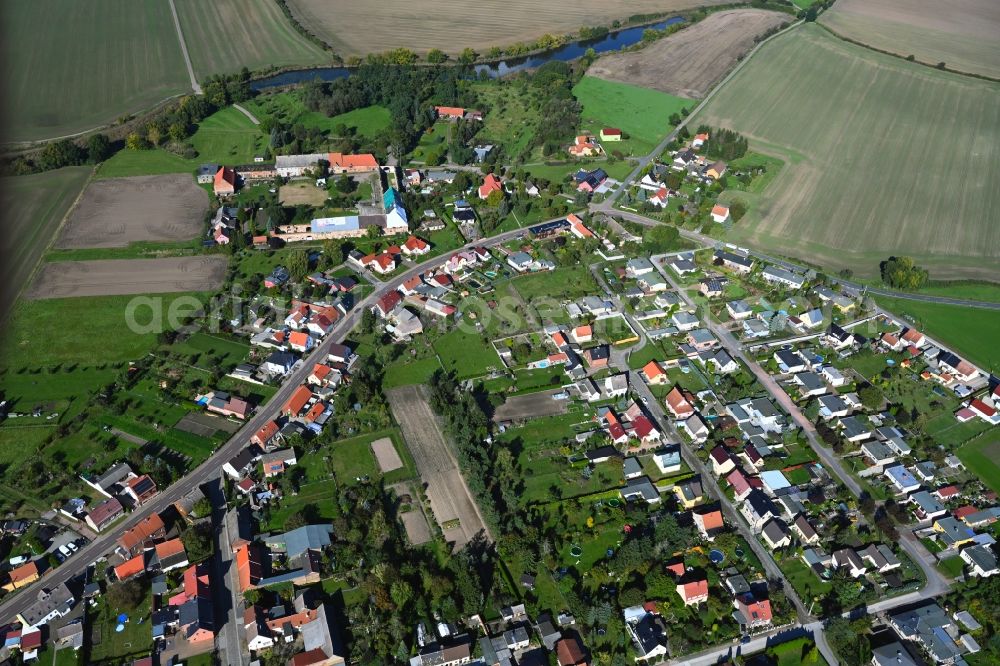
640,112
77,330
72,66
144,163
882,156
466,354
225,137
35,205
982,456
971,332
228,137
223,36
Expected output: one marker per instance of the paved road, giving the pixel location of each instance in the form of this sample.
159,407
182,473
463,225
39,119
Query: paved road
711,487
195,86
225,588
935,582
210,469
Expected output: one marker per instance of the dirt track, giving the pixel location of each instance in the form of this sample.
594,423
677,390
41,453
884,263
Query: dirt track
63,279
119,211
449,496
690,62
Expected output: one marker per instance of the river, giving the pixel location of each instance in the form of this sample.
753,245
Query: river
610,42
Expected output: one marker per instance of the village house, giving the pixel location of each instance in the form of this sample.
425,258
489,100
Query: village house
224,182
584,146
720,213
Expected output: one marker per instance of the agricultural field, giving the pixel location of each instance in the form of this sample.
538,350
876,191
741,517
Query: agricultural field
963,34
172,208
689,63
981,456
352,29
111,277
114,57
224,36
641,113
35,206
970,332
925,189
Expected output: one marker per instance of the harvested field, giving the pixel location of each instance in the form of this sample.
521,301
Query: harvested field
109,277
882,157
119,211
225,35
963,34
689,63
531,406
354,28
386,455
297,194
446,489
71,66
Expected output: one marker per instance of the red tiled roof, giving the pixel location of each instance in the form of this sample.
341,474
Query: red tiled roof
711,520
169,548
132,567
363,161
297,401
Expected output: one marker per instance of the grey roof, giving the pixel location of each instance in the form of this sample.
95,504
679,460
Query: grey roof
640,486
632,466
737,584
855,426
982,556
319,634
810,381
927,624
115,474
926,502
58,598
893,654
775,530
649,634
298,541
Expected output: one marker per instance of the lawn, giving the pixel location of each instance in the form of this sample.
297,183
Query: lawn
951,567
353,458
214,351
21,442
35,206
109,646
567,282
223,36
981,457
466,354
114,57
145,163
803,580
38,334
792,653
909,177
405,371
641,113
228,137
970,332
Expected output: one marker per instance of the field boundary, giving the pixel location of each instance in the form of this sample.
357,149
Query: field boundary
906,58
